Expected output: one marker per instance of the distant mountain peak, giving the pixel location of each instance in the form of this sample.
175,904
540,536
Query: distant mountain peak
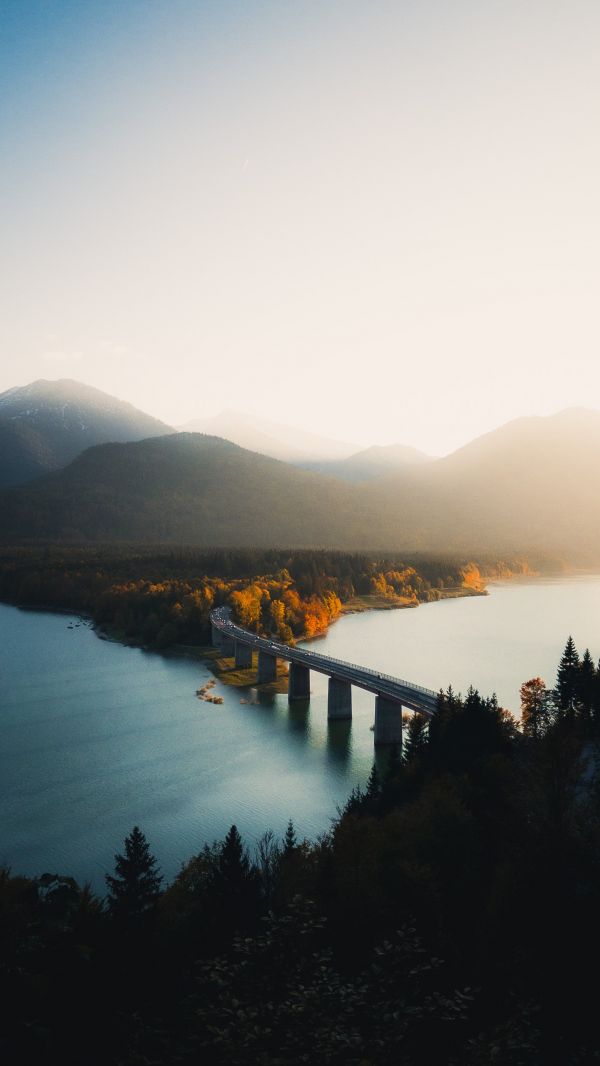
47,423
267,437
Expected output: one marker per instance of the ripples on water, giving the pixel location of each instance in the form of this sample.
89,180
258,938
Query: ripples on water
96,737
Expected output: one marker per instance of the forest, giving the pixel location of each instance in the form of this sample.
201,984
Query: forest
160,598
451,915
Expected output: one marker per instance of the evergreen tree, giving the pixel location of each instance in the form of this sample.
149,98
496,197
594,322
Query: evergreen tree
234,864
135,888
290,842
416,738
596,695
567,677
586,683
353,804
373,790
235,888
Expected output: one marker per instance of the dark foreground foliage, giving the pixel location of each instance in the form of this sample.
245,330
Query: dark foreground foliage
451,916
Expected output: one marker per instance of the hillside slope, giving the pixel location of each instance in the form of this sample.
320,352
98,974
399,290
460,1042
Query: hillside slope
185,487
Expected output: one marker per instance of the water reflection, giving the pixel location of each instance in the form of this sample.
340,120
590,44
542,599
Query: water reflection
298,717
338,747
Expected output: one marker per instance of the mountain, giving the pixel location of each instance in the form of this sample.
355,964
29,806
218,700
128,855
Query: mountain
528,486
43,426
185,487
371,463
270,438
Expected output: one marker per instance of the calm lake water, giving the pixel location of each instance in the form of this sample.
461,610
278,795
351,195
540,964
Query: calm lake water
95,737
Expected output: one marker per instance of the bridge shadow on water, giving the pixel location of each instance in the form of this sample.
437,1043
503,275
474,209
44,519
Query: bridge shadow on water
298,717
339,747
295,717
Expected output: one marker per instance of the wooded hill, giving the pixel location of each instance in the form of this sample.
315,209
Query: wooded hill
527,486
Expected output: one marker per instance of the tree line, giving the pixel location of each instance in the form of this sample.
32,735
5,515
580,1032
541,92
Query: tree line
163,598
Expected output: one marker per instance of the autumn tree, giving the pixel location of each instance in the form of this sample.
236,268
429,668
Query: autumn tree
535,711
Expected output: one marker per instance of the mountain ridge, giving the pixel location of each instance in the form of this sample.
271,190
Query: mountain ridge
44,425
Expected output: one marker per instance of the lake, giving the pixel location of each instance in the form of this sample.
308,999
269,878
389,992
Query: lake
96,737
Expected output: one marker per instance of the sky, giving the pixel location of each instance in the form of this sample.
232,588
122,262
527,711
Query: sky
377,220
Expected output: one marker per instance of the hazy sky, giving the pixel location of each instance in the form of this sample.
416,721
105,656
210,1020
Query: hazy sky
379,220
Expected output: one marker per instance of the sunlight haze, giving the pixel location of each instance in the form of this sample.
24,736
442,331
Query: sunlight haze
376,221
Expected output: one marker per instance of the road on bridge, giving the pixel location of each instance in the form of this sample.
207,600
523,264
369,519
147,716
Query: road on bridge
414,697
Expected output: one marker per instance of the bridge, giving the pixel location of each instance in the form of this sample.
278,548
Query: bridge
391,693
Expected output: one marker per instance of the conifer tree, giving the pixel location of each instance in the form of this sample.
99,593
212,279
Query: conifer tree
416,738
373,789
236,884
586,683
290,842
354,802
596,694
234,864
567,677
134,889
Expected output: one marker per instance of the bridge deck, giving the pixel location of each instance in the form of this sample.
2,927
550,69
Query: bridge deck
414,697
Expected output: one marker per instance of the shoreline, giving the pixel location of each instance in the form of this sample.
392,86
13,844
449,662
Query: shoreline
224,668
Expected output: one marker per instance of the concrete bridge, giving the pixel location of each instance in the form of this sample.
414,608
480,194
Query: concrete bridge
391,693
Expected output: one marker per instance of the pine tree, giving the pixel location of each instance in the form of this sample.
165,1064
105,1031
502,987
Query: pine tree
234,864
354,803
373,790
135,888
290,842
586,683
415,743
596,695
567,677
235,884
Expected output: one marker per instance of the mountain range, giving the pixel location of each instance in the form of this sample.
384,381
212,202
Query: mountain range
529,485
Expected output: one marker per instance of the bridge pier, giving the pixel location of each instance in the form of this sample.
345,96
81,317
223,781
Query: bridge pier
299,682
267,666
243,655
388,721
215,636
339,699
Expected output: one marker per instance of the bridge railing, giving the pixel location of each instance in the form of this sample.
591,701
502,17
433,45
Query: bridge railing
221,619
